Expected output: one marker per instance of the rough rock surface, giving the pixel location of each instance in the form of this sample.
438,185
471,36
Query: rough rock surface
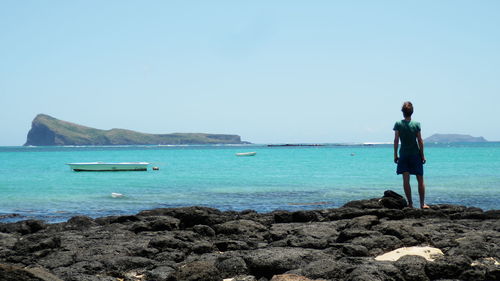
197,243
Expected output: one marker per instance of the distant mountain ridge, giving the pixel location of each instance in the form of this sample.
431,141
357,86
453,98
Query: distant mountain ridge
450,138
47,130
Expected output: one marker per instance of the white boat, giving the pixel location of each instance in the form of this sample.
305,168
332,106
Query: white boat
107,166
246,154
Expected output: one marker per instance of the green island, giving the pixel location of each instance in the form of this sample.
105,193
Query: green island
453,138
46,130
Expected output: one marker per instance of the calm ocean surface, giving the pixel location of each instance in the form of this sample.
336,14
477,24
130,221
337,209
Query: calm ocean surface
36,183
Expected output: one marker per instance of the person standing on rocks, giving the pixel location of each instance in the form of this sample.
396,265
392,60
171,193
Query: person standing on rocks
411,153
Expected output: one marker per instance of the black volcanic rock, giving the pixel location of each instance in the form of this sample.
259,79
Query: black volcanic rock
199,243
198,271
46,130
15,273
412,268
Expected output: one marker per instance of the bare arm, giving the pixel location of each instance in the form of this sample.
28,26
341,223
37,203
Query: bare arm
396,145
421,146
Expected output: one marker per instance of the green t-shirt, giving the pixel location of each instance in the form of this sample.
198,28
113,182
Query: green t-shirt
408,135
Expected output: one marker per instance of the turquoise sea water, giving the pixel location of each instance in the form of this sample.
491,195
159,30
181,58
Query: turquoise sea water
36,183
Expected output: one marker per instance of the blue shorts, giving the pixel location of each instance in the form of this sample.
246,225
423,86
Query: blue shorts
410,164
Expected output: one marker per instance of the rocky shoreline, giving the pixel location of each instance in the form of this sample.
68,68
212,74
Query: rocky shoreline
198,243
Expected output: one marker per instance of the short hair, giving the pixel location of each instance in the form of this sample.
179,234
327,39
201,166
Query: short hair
407,109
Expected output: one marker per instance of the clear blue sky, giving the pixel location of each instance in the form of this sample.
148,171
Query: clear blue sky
270,71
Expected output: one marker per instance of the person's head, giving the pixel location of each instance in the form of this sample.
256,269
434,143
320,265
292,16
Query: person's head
407,109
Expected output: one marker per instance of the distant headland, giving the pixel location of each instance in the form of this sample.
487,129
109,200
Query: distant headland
47,130
451,138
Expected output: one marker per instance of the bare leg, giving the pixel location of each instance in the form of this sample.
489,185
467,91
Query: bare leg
407,189
421,192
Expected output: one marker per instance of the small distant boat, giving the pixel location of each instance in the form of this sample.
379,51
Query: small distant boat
246,154
116,195
107,166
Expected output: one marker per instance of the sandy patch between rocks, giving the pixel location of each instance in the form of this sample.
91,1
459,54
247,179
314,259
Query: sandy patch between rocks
429,253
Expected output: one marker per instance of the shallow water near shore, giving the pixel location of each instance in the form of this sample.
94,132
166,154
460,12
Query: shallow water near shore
36,183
